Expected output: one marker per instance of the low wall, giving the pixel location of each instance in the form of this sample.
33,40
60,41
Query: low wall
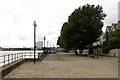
9,67
114,52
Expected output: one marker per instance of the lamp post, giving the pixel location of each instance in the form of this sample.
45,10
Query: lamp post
47,43
50,45
97,49
34,24
44,44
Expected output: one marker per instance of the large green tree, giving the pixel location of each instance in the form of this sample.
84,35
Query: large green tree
83,27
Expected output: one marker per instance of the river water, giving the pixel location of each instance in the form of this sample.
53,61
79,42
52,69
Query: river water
13,52
2,53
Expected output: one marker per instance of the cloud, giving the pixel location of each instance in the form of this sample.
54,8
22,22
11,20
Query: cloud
17,16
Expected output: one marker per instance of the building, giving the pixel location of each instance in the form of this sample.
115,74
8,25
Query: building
108,28
105,36
39,44
113,26
119,11
100,40
118,24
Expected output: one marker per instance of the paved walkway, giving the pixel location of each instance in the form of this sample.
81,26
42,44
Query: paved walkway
64,65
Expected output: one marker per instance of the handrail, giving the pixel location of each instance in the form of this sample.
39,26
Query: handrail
10,58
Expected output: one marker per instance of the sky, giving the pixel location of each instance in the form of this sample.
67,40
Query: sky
17,17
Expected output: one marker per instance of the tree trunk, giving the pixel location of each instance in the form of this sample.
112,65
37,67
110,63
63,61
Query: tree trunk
76,52
80,52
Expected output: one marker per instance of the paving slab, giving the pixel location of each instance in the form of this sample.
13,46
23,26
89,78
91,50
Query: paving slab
68,65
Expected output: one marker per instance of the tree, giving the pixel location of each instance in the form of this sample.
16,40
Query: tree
115,39
106,47
83,27
64,40
90,47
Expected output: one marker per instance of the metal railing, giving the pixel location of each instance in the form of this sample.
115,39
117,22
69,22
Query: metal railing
10,58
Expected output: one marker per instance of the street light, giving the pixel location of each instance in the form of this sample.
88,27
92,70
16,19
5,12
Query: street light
47,43
97,47
34,24
50,45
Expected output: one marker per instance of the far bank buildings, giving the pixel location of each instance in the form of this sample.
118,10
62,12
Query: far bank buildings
109,29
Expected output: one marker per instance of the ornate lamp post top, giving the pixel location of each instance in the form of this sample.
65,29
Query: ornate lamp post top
44,38
35,24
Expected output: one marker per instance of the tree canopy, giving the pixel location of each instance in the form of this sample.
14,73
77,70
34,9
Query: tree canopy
84,26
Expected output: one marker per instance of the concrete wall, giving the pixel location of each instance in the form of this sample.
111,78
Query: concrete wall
85,51
9,67
114,52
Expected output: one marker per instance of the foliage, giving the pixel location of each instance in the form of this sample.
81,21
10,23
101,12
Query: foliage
83,27
106,47
91,47
64,40
115,39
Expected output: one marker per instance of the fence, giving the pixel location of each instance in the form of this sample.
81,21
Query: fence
7,59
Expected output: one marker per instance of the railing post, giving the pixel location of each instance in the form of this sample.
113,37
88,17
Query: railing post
25,55
4,60
12,57
30,55
8,58
22,55
17,56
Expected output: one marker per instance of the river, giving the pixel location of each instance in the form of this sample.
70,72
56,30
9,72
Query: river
2,53
13,52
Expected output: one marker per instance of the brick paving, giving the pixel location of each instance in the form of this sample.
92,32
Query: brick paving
68,65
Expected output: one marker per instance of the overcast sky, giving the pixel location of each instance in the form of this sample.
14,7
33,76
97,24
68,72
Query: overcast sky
17,16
